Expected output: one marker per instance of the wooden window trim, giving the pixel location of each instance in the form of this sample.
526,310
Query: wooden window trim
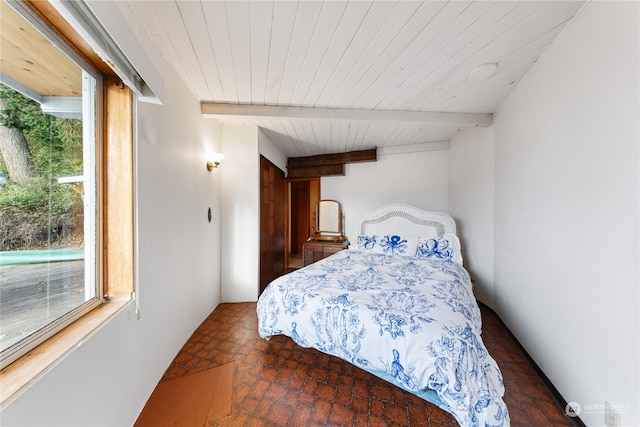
21,374
117,203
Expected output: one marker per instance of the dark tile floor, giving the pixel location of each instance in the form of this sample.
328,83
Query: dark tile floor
278,383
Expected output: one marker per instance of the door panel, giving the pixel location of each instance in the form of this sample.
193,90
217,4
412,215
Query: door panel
300,215
272,222
314,198
304,194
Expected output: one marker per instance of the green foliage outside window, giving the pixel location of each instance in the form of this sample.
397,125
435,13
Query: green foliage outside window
38,211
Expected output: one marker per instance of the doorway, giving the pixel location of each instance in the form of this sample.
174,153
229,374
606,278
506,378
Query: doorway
272,222
304,193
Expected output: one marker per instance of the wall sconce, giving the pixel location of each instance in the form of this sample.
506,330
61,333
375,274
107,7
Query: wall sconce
216,158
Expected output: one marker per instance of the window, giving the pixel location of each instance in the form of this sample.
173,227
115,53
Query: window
59,175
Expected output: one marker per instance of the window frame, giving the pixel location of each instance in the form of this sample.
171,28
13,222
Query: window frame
114,205
92,172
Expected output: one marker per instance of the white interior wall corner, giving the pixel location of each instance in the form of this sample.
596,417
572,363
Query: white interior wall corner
471,203
567,177
240,176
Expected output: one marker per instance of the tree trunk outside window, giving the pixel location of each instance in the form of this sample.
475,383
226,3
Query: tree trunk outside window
15,152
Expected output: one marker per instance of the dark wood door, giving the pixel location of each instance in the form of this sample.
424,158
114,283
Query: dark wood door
304,194
300,215
272,222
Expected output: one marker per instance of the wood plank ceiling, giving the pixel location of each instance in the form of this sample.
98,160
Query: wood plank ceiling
334,76
31,64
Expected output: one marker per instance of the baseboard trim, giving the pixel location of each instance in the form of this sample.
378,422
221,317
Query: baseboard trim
561,401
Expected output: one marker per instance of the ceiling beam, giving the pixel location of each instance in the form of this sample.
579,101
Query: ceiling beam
326,164
316,171
332,159
220,110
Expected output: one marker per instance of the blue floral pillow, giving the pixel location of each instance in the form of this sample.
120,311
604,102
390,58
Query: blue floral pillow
446,247
367,243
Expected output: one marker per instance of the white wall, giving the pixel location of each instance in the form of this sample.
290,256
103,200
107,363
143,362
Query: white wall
270,151
418,176
107,380
240,174
242,147
471,200
567,212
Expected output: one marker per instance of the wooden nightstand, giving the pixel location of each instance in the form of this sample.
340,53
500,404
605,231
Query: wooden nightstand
315,250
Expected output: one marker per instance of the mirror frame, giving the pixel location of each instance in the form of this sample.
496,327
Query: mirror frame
330,234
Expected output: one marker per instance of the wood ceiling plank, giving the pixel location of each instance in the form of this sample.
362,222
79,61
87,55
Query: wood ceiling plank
393,27
260,14
318,134
397,132
381,133
291,139
349,138
373,21
290,130
344,135
406,133
451,25
178,35
424,134
420,46
206,61
334,135
220,41
349,24
330,16
304,131
146,14
305,26
359,141
387,64
239,27
365,135
284,14
546,18
480,45
498,47
490,94
363,139
24,55
453,63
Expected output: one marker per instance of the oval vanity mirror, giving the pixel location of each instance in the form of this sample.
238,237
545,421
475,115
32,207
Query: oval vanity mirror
328,221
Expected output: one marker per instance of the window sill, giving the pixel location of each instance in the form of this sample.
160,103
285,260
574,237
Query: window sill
18,376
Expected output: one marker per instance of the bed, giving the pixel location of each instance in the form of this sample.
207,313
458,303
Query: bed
399,304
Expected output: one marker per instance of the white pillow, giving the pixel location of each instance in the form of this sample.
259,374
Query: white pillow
446,247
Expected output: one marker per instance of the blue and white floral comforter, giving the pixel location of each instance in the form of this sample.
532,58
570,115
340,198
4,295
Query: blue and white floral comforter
414,322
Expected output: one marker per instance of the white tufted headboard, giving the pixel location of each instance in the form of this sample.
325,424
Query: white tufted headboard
406,220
